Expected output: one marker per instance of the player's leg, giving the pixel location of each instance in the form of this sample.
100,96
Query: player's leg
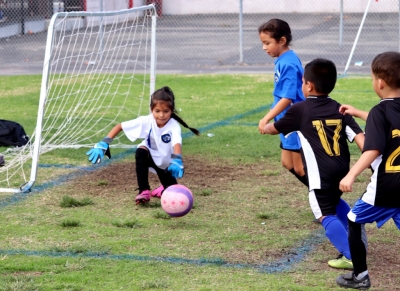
291,157
286,159
166,180
342,209
292,161
360,214
298,168
323,204
357,248
142,157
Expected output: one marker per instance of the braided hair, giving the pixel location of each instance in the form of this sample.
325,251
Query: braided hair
166,95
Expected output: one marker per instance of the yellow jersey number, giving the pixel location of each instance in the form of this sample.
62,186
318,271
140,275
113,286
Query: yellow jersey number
389,166
319,126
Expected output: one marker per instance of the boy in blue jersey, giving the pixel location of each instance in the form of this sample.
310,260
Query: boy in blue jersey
276,36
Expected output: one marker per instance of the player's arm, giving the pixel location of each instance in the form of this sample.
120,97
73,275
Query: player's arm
178,149
359,139
270,129
96,154
348,109
363,163
288,123
278,108
115,131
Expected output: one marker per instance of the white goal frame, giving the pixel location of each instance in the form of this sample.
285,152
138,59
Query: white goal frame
33,150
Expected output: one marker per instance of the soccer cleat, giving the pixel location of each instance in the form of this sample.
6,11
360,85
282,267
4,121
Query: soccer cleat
157,192
341,262
143,197
349,281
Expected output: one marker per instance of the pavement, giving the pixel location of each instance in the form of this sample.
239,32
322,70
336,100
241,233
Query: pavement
209,44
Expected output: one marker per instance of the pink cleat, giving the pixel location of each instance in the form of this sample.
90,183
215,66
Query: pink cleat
157,192
143,197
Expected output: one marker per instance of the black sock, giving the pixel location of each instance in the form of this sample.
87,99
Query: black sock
302,179
357,248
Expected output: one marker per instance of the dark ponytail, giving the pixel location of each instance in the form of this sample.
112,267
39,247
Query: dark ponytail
180,120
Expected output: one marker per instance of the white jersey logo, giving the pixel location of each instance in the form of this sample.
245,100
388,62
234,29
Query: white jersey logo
277,76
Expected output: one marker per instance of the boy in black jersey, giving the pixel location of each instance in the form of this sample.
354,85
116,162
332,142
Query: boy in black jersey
323,133
381,200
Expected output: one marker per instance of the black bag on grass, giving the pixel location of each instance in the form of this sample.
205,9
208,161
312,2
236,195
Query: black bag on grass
12,134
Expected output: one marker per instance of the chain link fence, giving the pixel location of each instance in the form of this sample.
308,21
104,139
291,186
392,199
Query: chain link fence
214,41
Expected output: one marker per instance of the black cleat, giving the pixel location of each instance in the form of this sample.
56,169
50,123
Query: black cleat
349,281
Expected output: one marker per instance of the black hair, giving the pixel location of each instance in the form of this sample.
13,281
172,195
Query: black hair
322,73
277,28
386,66
166,95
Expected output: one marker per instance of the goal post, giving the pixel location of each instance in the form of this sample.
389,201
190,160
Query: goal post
357,37
370,33
99,70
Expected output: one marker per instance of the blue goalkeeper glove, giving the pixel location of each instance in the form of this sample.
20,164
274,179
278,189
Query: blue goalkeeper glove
176,167
96,154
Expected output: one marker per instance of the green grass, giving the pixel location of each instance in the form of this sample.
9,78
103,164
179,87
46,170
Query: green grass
68,201
50,242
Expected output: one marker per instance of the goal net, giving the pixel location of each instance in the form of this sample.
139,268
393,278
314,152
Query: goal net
99,70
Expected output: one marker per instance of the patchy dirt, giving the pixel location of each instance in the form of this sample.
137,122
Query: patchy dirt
199,174
384,250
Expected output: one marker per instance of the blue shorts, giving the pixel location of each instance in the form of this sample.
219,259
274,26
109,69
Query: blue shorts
291,142
363,212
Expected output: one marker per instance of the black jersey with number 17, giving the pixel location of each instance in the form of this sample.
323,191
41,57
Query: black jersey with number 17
323,132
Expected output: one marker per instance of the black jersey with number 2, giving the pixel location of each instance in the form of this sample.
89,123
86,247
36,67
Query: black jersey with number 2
323,133
382,133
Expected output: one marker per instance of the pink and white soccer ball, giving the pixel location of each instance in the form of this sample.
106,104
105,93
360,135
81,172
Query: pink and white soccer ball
177,200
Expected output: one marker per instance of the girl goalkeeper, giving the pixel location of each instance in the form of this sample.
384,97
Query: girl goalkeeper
161,148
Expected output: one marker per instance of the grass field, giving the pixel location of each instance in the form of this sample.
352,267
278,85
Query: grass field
250,228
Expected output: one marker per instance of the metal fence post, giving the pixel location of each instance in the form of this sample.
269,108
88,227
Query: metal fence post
341,24
22,18
241,31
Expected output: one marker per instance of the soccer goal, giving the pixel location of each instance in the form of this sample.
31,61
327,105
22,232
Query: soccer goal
99,70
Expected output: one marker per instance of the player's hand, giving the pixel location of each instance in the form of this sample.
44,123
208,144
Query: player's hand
261,125
176,167
96,154
347,109
346,184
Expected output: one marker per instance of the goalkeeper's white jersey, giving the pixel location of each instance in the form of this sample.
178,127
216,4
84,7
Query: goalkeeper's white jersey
159,141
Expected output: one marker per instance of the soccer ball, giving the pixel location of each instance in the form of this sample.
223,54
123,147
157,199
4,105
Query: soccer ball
177,200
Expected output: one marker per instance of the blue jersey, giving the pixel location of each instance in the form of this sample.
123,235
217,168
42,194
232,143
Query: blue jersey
287,80
287,84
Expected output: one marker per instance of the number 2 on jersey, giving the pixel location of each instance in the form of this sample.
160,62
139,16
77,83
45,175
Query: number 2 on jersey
389,166
319,126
